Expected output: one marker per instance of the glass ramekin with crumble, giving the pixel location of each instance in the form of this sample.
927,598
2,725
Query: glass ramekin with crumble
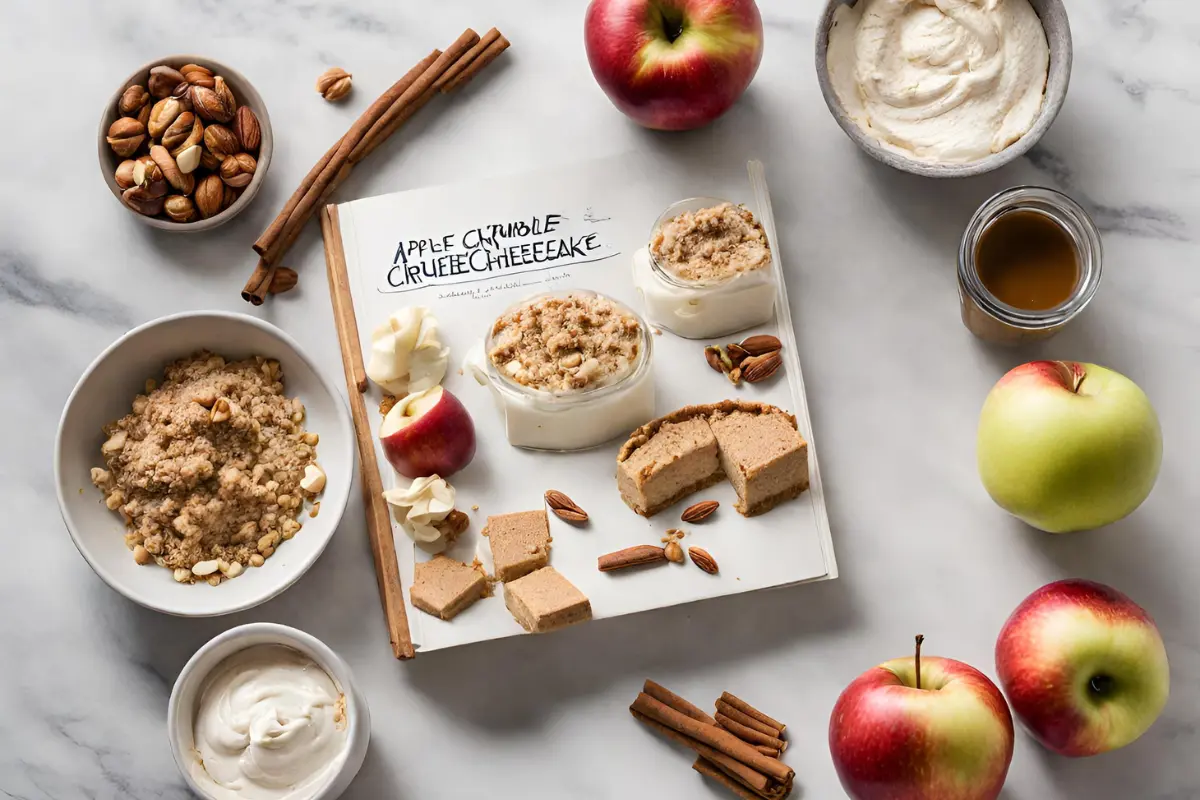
707,270
569,370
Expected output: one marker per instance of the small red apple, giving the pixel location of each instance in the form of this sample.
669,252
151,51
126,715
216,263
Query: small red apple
428,433
921,729
1083,666
673,65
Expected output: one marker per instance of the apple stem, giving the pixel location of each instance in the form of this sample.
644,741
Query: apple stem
920,641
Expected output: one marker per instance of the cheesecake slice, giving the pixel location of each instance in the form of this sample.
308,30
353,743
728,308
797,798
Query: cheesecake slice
755,445
520,543
444,587
544,601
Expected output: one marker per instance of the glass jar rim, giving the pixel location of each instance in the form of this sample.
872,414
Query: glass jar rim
1065,212
505,383
695,204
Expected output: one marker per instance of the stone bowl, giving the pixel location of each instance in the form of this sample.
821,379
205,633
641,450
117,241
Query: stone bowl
246,95
1058,34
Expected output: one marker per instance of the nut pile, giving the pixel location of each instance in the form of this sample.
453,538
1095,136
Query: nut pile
189,148
753,360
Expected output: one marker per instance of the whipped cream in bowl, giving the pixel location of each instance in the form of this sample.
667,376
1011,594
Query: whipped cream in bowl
707,270
267,712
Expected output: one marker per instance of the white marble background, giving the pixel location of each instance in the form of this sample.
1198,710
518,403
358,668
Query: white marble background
896,384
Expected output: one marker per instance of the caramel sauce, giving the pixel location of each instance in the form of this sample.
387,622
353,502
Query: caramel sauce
1027,260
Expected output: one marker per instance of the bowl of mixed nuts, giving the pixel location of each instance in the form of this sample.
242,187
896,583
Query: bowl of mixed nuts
185,143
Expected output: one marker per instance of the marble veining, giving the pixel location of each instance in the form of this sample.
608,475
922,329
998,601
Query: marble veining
894,385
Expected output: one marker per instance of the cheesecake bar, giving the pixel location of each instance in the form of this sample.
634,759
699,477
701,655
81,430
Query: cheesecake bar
763,455
520,543
675,456
544,601
444,587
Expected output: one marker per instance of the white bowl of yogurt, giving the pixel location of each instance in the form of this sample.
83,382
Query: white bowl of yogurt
267,712
944,93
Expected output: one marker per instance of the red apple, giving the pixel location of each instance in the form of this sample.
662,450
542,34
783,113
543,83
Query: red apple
1083,666
673,65
921,729
428,433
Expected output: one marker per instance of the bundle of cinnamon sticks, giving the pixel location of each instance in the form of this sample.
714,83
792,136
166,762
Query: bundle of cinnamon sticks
438,72
738,748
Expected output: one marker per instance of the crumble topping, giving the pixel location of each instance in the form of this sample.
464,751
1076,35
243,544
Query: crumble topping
564,344
208,469
711,245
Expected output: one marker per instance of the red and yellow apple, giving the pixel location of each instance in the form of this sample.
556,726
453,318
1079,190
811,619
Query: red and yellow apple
921,729
673,65
1067,447
1083,666
428,433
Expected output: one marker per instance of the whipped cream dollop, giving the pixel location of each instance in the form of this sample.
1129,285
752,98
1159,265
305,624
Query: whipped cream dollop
406,353
270,725
418,508
943,81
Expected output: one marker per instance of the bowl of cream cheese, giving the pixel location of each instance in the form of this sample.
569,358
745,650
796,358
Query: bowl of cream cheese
267,712
947,89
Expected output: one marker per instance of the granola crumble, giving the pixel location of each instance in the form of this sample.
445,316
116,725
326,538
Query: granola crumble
712,244
206,469
567,343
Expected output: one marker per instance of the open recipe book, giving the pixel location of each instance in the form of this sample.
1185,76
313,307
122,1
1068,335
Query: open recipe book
469,252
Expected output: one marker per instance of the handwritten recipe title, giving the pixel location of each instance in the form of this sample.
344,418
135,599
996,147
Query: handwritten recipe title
523,245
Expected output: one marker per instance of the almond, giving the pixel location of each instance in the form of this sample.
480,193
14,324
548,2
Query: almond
564,507
737,354
249,132
285,279
700,511
673,552
703,560
759,368
758,345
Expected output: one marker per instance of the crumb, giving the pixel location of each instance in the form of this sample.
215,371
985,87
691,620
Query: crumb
316,509
656,331
712,244
386,404
475,507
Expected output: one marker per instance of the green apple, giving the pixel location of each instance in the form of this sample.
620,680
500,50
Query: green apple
1083,666
1068,447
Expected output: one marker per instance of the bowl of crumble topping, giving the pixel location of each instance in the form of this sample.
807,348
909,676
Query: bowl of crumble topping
203,463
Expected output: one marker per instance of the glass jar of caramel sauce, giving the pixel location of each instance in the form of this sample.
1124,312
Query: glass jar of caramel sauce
1029,263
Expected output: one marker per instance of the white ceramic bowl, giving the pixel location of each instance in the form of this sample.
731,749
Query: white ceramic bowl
105,393
181,710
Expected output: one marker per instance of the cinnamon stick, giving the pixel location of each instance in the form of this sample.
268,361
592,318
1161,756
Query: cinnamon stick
379,523
767,751
706,768
476,66
751,711
484,42
750,777
665,696
272,232
716,738
747,720
749,735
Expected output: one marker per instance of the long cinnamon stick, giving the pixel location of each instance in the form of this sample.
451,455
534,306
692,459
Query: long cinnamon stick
749,776
717,738
379,524
751,711
272,232
747,720
665,696
484,42
706,768
749,735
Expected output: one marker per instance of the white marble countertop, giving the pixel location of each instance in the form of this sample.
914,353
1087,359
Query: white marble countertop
895,387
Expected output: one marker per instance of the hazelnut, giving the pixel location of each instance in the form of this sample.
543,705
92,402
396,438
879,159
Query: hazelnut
334,84
228,101
238,170
125,136
180,208
132,100
162,115
247,128
189,159
163,80
197,75
221,141
124,176
178,131
207,105
141,201
210,193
